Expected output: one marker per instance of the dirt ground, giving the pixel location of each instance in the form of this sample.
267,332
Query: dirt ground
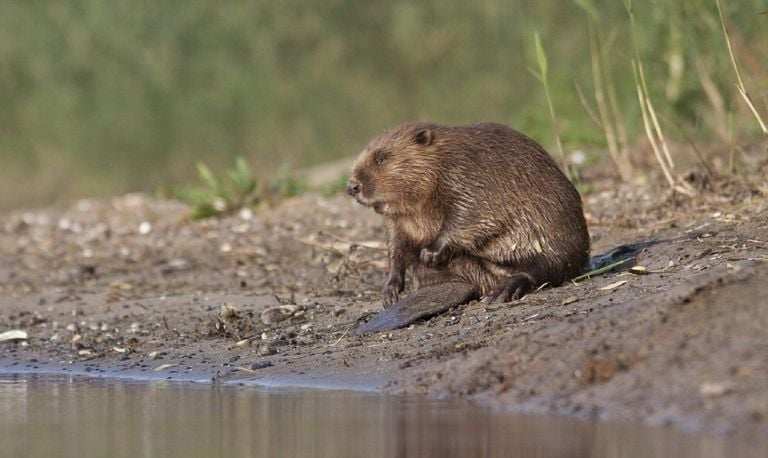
131,286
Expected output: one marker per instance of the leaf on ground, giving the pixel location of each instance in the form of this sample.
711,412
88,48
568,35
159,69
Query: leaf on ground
613,285
14,334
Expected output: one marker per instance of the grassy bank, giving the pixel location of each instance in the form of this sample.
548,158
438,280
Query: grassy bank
102,97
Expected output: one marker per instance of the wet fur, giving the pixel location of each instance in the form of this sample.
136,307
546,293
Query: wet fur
481,204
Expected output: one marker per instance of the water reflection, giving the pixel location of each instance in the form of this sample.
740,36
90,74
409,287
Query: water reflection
72,416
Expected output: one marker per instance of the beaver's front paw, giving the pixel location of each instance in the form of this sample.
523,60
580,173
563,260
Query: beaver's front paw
435,255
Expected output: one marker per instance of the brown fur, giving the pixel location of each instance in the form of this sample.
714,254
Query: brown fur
482,203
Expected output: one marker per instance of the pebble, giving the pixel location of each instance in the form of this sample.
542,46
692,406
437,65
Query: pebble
277,314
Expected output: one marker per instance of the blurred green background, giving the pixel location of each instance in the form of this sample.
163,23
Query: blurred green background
100,97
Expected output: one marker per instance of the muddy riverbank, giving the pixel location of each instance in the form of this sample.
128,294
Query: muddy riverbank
130,285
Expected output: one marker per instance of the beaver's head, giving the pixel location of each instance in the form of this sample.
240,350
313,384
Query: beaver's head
397,171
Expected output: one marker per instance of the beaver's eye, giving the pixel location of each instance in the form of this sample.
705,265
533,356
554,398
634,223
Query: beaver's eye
379,157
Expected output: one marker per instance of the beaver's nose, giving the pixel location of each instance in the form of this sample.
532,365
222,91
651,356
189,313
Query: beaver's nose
353,187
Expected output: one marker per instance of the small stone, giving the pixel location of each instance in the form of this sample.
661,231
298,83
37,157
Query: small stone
246,214
145,228
714,389
277,314
266,350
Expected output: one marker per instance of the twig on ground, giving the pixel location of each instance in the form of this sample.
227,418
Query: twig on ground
592,273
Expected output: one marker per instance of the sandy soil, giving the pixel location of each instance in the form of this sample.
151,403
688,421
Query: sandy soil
129,285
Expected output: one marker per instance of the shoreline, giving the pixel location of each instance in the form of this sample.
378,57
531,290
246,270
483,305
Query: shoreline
680,344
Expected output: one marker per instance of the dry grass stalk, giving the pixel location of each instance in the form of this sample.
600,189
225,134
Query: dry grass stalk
649,132
609,124
621,130
654,119
602,108
610,89
587,108
715,100
650,121
612,122
740,83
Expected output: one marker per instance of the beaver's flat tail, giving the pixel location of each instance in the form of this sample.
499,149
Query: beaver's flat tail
420,304
623,254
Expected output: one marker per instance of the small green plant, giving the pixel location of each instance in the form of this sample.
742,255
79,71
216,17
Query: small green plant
285,183
541,58
221,193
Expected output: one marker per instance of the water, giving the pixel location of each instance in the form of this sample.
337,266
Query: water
47,416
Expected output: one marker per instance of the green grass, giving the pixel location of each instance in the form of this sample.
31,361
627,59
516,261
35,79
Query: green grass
220,193
102,97
223,193
542,75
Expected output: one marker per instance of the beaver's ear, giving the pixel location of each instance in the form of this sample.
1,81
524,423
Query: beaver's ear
423,137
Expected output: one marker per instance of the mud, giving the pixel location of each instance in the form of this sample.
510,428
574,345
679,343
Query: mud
129,286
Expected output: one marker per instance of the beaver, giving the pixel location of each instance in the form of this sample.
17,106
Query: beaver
480,207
